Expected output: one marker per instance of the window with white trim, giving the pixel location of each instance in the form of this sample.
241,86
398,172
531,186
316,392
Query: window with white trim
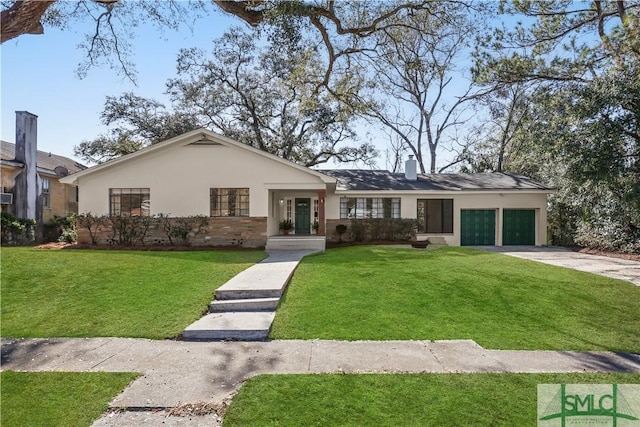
369,207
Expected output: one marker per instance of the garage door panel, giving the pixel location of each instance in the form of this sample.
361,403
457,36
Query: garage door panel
519,227
477,227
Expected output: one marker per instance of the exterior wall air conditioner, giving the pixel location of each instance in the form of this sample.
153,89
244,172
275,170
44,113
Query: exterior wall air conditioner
6,198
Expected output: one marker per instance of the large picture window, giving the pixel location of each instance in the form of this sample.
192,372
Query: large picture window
229,201
435,215
130,201
364,207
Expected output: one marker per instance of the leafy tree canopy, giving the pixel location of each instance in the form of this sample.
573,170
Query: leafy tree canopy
263,96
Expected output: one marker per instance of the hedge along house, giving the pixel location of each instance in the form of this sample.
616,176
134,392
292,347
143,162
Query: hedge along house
248,193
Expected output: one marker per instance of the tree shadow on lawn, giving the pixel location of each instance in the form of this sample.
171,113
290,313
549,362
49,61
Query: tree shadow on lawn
606,362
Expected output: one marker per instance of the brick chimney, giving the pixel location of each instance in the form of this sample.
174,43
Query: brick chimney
26,188
411,169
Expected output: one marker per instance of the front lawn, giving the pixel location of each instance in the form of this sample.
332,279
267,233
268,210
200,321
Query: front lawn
501,302
104,293
48,399
398,400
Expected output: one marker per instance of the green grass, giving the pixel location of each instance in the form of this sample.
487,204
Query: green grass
501,302
103,293
48,399
398,400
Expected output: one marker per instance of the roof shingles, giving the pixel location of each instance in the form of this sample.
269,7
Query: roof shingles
46,161
380,180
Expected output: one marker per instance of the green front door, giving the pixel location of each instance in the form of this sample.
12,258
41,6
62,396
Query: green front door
519,227
477,227
303,216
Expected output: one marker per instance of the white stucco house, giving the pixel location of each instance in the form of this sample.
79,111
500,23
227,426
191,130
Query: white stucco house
247,193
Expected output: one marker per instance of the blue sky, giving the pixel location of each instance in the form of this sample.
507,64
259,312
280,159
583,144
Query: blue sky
38,74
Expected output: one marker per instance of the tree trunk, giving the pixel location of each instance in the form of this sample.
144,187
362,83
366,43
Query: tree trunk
23,18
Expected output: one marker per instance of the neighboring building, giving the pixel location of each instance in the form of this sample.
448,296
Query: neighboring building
35,192
247,193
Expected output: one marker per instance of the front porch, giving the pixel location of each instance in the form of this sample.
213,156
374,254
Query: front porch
297,219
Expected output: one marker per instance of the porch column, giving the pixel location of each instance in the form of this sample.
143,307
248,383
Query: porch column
322,194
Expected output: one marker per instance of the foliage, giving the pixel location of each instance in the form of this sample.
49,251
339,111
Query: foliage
58,398
93,224
426,399
381,229
182,230
260,95
501,302
63,228
341,229
286,225
419,92
577,129
137,122
128,230
496,142
338,27
585,139
146,294
16,230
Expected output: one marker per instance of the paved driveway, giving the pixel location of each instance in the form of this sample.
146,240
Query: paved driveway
605,266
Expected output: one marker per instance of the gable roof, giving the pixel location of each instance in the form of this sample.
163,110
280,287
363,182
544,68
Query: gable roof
202,136
46,162
380,180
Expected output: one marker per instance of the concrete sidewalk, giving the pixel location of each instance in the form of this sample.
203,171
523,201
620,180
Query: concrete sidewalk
175,373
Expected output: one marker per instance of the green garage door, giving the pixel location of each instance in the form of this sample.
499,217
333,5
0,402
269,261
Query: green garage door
519,227
477,227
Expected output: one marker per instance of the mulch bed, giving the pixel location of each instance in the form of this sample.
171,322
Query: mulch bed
58,245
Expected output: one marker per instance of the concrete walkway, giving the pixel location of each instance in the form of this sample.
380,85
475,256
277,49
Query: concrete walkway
605,266
178,372
245,306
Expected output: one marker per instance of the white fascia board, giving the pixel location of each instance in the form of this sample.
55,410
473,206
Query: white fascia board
294,186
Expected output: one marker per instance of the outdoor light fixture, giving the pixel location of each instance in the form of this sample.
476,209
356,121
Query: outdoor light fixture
281,202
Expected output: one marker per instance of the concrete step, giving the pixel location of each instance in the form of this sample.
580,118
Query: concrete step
315,243
437,241
241,326
238,294
252,304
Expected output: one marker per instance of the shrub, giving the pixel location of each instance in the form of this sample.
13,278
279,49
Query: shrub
61,229
15,230
92,224
385,229
341,229
182,230
128,230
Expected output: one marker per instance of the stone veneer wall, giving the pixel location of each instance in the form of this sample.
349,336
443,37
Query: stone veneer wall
248,232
